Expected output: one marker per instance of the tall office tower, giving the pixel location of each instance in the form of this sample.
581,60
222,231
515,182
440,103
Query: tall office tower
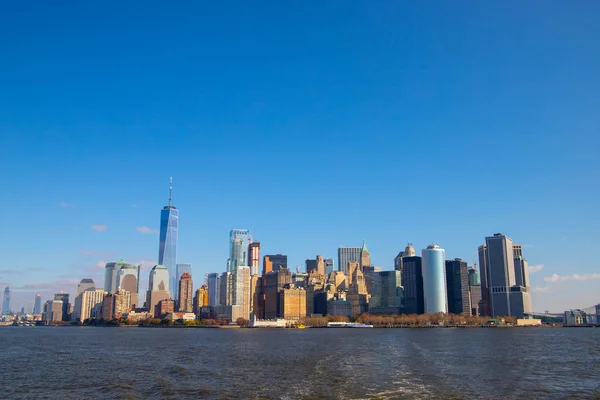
346,255
434,279
6,302
63,297
412,281
274,282
158,287
167,245
56,308
473,276
128,280
241,293
256,296
457,287
111,274
329,266
91,304
474,290
358,296
388,294
505,280
365,256
180,269
274,262
37,308
520,294
310,265
186,288
254,257
239,240
484,304
226,288
212,281
84,285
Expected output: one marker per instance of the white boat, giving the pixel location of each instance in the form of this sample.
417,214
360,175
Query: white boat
347,325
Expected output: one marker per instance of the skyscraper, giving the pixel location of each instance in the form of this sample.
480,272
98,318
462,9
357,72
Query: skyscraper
111,274
388,294
474,277
317,264
6,302
346,255
239,241
84,285
91,304
158,287
241,294
412,281
274,282
254,257
63,298
506,278
128,280
37,308
484,304
212,281
365,256
180,269
274,262
434,279
329,266
167,247
185,298
457,287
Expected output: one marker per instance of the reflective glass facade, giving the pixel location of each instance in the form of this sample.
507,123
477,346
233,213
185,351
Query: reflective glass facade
434,280
167,249
239,240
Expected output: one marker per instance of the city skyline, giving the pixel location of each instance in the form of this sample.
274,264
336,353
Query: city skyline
434,112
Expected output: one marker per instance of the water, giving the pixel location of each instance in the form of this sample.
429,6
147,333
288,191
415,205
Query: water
145,363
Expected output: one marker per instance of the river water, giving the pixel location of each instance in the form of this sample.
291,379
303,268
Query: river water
157,363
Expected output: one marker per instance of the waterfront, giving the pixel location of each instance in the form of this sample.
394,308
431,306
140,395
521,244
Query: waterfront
76,362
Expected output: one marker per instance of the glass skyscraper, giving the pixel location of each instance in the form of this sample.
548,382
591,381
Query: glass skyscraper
6,302
434,280
239,240
167,248
346,255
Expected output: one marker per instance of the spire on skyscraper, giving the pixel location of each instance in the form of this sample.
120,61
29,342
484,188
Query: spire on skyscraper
170,190
364,246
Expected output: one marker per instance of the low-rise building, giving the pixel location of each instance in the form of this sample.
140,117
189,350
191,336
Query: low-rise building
575,318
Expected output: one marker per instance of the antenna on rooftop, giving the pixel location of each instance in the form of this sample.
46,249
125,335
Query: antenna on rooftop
170,189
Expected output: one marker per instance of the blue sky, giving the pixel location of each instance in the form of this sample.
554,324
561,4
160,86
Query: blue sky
314,125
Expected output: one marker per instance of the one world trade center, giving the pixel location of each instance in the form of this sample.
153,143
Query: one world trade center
167,248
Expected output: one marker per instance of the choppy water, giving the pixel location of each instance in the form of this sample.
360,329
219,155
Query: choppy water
138,363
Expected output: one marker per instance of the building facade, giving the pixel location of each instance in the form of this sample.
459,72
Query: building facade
91,304
239,241
212,281
63,297
180,270
186,287
293,303
457,287
6,302
254,258
412,281
273,283
434,279
506,277
388,293
346,255
168,235
128,280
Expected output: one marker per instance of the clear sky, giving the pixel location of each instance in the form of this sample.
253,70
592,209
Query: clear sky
315,125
